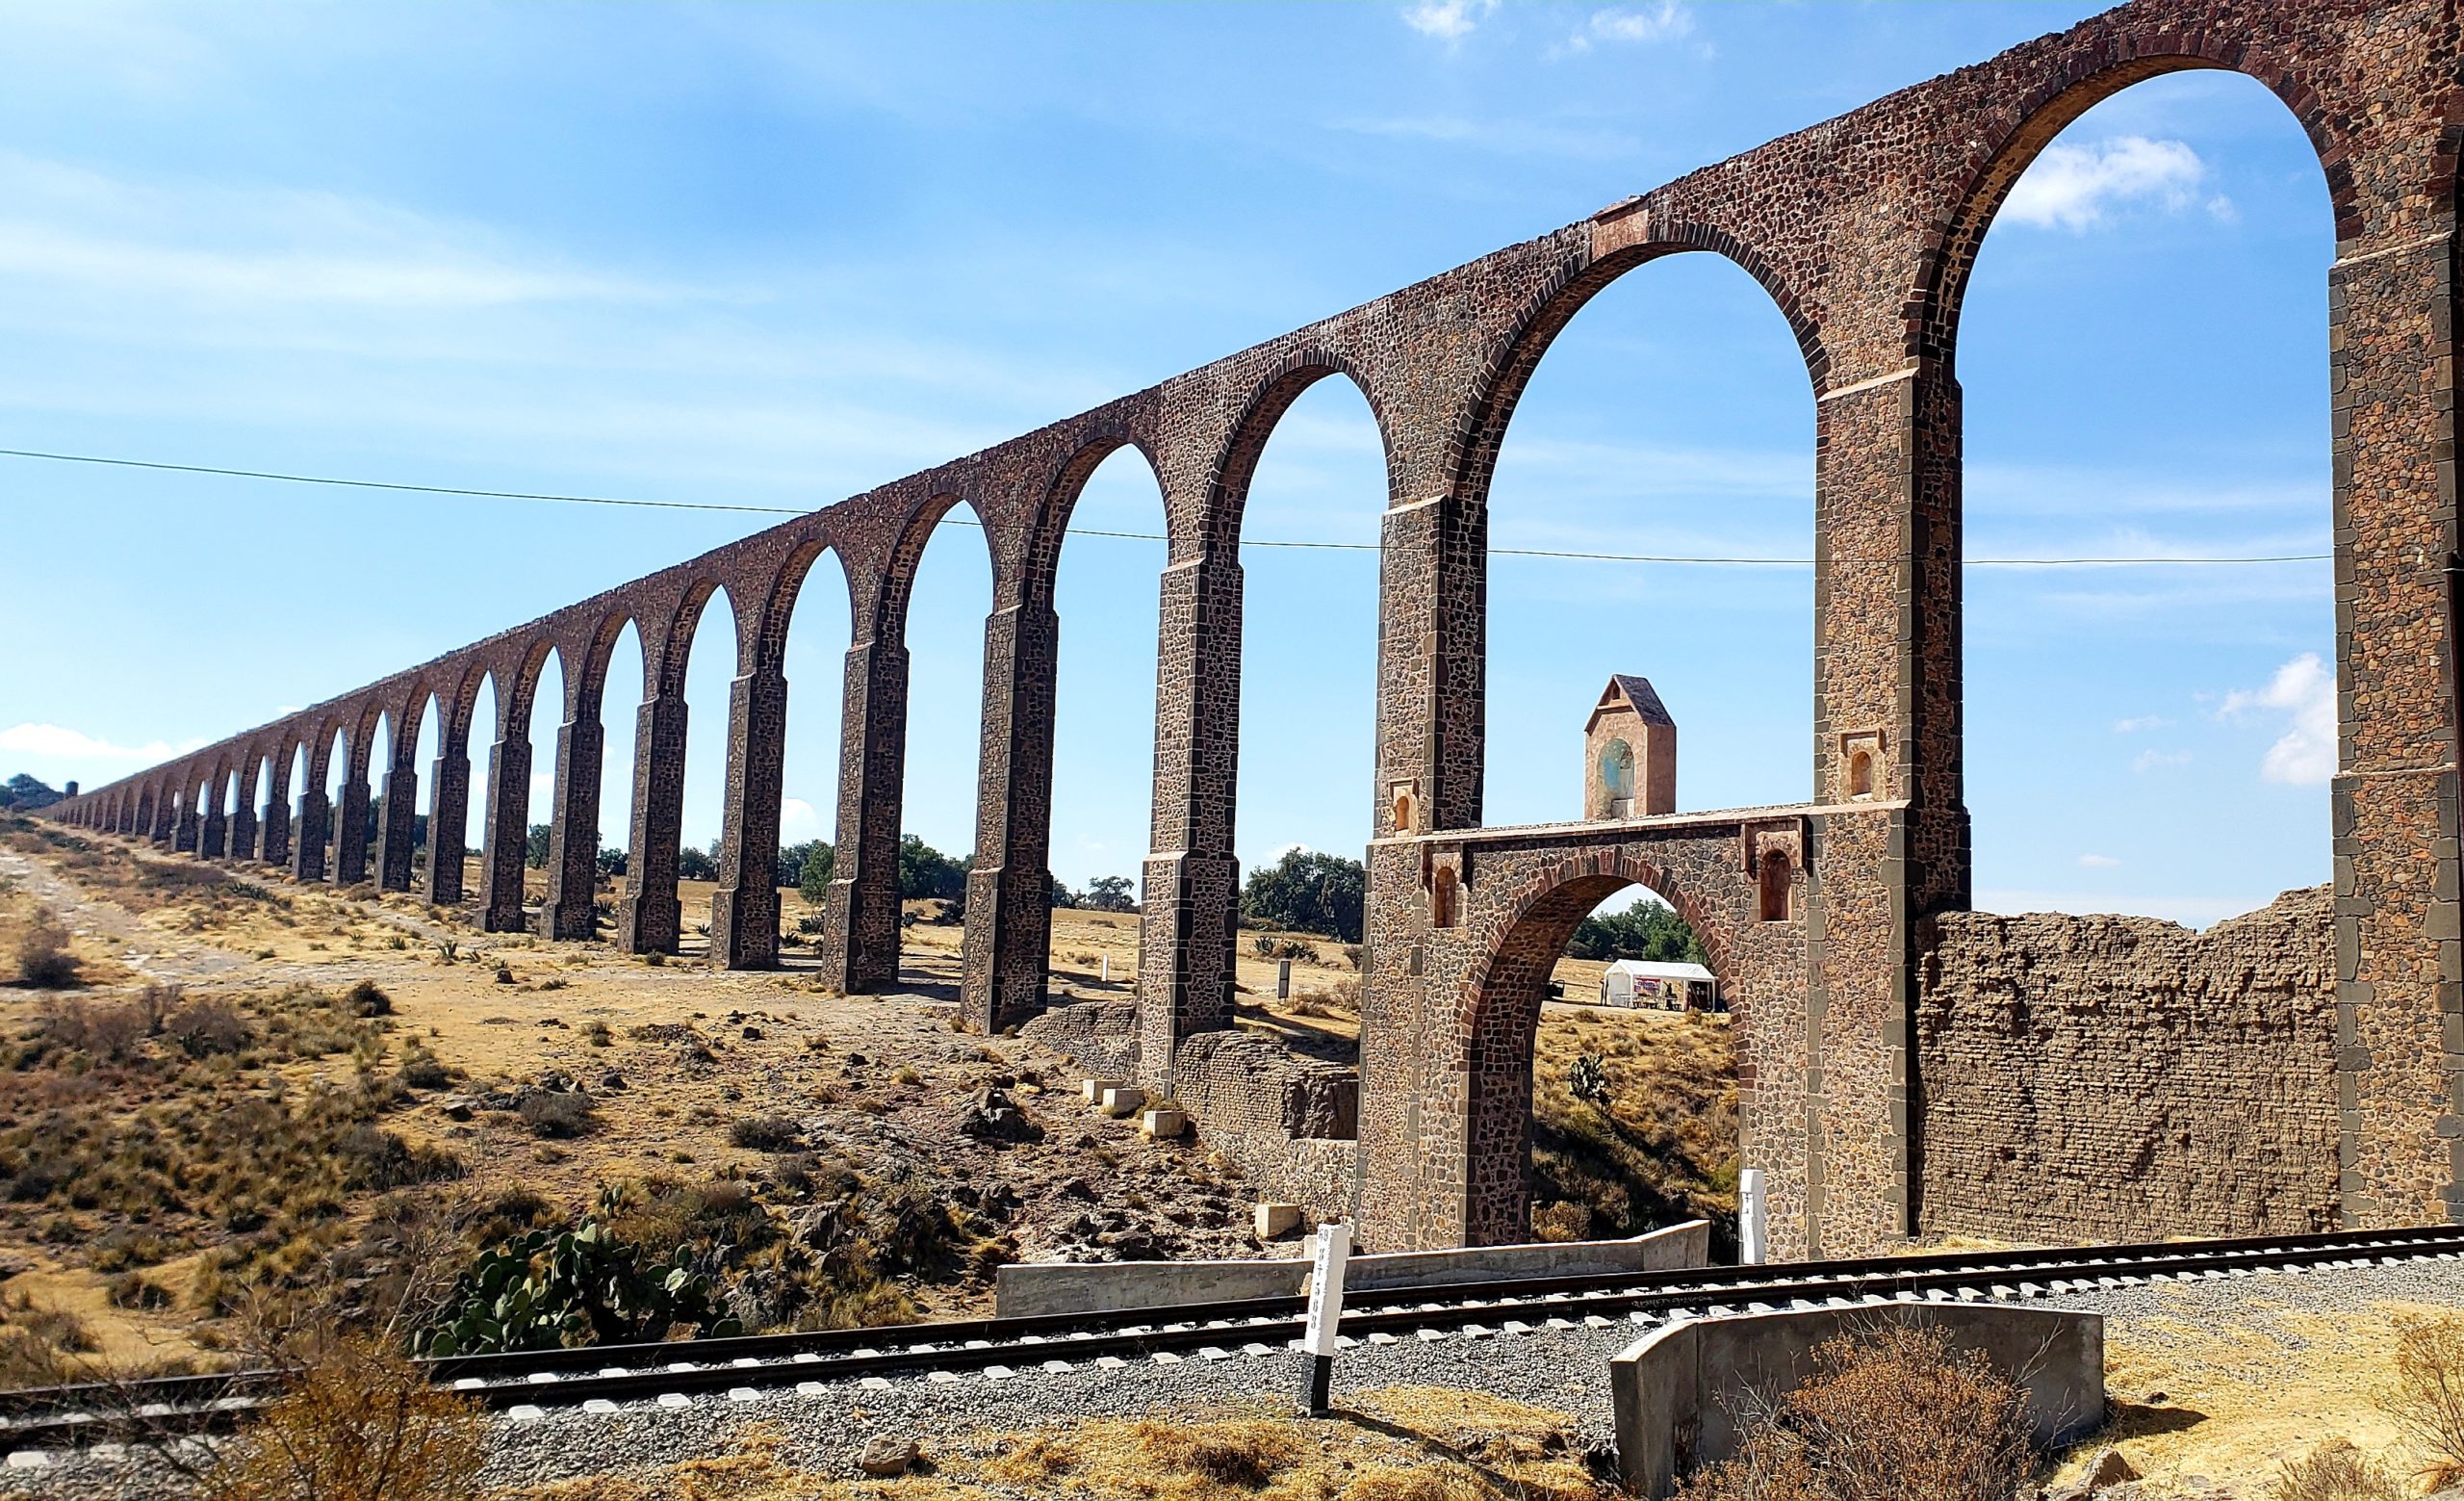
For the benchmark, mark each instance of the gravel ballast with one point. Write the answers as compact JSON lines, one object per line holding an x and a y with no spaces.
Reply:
{"x":827,"y":1425}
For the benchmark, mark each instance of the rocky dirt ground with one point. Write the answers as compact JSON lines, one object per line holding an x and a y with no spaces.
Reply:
{"x":671,"y":1059}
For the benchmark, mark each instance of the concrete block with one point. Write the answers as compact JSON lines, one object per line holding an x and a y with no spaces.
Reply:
{"x":1163,"y":1125}
{"x":1093,"y":1089}
{"x":1277,"y":1219}
{"x":1676,"y":1390}
{"x":1121,"y":1099}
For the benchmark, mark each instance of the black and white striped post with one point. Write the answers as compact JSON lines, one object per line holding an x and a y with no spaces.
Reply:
{"x":1325,"y":1312}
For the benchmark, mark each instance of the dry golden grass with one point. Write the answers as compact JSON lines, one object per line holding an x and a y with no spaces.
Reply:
{"x":1664,"y":1147}
{"x":1407,"y":1444}
{"x":2425,"y":1396}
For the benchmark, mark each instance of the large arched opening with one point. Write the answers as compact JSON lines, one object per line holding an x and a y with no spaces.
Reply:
{"x":1602,"y":1069}
{"x":543,"y":714}
{"x":1667,"y":412}
{"x":431,"y":709}
{"x":939,"y":598}
{"x":706,"y":648}
{"x":814,"y":657}
{"x":2141,"y":342}
{"x":1307,"y":490}
{"x":1103,"y":590}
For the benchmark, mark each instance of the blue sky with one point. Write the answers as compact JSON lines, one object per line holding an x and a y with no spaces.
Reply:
{"x":773,"y":255}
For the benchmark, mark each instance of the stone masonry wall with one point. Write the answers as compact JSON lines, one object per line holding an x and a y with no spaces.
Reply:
{"x":1287,"y":1121}
{"x":2122,"y":1078}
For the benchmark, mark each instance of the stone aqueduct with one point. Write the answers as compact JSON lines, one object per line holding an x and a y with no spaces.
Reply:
{"x":1862,"y":230}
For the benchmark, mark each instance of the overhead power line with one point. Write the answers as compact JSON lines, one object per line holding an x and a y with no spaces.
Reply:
{"x":1569,"y":554}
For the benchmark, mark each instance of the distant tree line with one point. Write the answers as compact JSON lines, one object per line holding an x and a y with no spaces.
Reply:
{"x":1648,"y":931}
{"x":924,"y":874}
{"x":22,"y":793}
{"x":1307,"y":892}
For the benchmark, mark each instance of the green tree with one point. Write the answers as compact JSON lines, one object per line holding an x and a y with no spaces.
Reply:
{"x":1108,"y":893}
{"x":1062,"y":895}
{"x":812,"y":876}
{"x":535,"y":850}
{"x":698,"y":865}
{"x":1647,"y":930}
{"x":1308,"y":891}
{"x":23,"y":793}
{"x":925,"y":872}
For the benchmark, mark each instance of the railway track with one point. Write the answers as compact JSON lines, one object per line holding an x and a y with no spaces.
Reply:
{"x":603,"y":1378}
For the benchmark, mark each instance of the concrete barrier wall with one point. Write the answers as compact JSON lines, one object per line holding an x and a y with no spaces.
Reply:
{"x":1680,"y":1390}
{"x":1026,"y":1290}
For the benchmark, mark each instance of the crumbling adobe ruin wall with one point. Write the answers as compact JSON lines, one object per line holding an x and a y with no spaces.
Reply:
{"x":2102,"y":1078}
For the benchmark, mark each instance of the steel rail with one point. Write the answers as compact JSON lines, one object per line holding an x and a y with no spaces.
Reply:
{"x":38,"y":1417}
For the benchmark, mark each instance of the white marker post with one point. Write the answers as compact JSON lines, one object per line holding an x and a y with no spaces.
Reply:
{"x":1283,"y":979}
{"x":1753,"y":1210}
{"x":1326,"y":1312}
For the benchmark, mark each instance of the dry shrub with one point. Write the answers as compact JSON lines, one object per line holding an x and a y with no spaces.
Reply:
{"x":99,"y":1029}
{"x":43,"y":959}
{"x":765,"y":1133}
{"x":558,"y":1114}
{"x":1889,"y":1414}
{"x":207,"y":1027}
{"x":356,"y":1423}
{"x":2425,"y":1401}
{"x":2335,"y":1471}
{"x":1561,"y":1221}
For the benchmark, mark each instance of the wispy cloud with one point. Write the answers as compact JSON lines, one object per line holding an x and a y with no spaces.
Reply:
{"x":2074,"y":186}
{"x":2099,"y":862}
{"x":1448,"y":20}
{"x":219,"y":243}
{"x":1631,"y":24}
{"x":2148,"y":760}
{"x":63,"y":743}
{"x":2133,"y":726}
{"x":2303,"y":691}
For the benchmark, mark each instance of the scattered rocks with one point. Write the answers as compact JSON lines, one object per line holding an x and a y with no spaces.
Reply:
{"x":889,"y":1454}
{"x":989,"y":1114}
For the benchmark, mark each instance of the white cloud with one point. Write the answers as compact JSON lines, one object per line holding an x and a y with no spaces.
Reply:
{"x":2148,"y":760}
{"x":1661,"y":22}
{"x":56,"y":740}
{"x":1448,"y":20}
{"x":2099,"y":862}
{"x":2142,"y":722}
{"x":797,"y":816}
{"x":2071,"y":186}
{"x":215,"y":245}
{"x":2305,"y":691}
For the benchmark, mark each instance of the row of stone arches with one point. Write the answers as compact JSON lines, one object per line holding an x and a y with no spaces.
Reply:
{"x":1863,"y":232}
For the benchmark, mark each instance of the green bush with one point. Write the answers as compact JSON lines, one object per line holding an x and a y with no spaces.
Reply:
{"x":552,"y":1288}
{"x":1309,"y":893}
